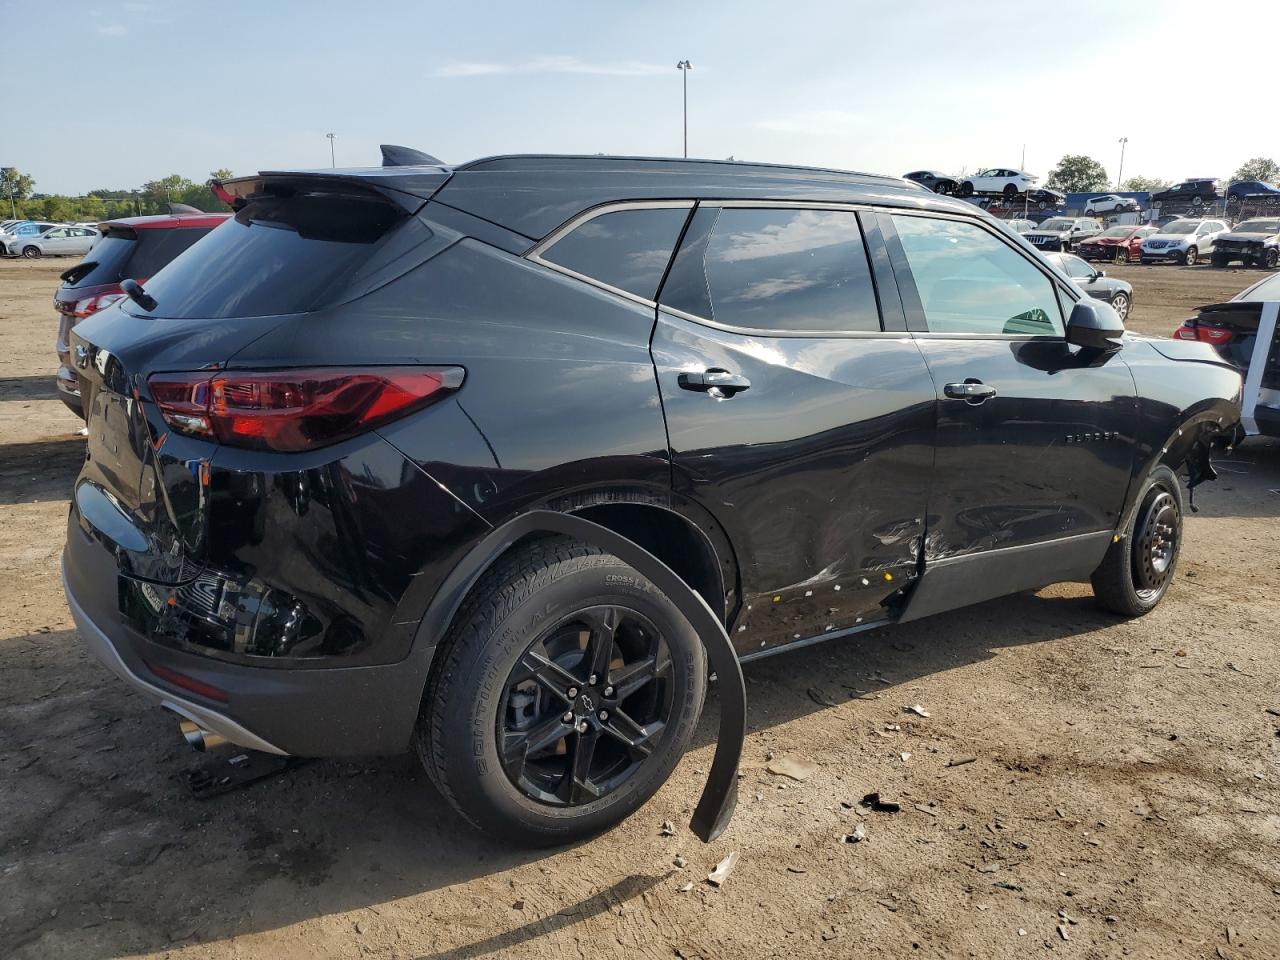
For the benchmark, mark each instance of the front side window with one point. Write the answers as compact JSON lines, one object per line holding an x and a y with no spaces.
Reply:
{"x":627,"y":249}
{"x":971,"y":282}
{"x":776,"y":269}
{"x":1076,"y":268}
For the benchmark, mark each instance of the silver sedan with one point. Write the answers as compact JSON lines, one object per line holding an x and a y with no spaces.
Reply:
{"x":56,"y":242}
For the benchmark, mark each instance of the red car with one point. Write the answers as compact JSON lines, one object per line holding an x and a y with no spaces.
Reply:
{"x":134,"y":248}
{"x":1121,"y":244}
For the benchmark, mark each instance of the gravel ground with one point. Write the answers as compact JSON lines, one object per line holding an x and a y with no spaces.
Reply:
{"x":1122,"y":798}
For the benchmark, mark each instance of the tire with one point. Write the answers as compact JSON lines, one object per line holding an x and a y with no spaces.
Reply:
{"x":1269,"y":259}
{"x":1190,"y":258}
{"x":1010,"y":192}
{"x":1219,"y":260}
{"x":941,"y":187}
{"x":1197,"y":201}
{"x":31,"y":253}
{"x":1132,"y":579}
{"x":1121,"y":304}
{"x":530,"y":605}
{"x":966,"y":189}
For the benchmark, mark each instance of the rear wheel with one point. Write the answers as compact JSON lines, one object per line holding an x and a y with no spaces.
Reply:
{"x":31,"y":253}
{"x":567,"y":690}
{"x":942,"y":186}
{"x":1010,"y":191}
{"x":1219,"y":260}
{"x":1139,"y":566}
{"x":966,"y":189}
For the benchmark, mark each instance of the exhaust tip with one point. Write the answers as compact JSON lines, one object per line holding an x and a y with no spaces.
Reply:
{"x":199,"y":738}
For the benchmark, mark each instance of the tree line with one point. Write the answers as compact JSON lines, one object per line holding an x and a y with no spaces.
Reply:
{"x":152,"y":197}
{"x":1077,"y":173}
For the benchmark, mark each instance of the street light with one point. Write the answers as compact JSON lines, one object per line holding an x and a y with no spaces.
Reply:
{"x":330,"y":136}
{"x":1120,"y":173}
{"x":684,"y":66}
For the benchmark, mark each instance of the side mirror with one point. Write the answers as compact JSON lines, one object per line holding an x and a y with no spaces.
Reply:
{"x":1099,"y":273}
{"x":1094,"y":325}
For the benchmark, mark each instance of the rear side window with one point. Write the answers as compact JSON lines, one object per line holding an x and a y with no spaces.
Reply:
{"x":969,"y":281}
{"x":277,"y":255}
{"x":784,"y":270}
{"x":626,"y":249}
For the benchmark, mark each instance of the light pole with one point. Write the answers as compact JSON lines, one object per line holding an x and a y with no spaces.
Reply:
{"x":329,"y":137}
{"x":1120,"y":173}
{"x":684,"y":66}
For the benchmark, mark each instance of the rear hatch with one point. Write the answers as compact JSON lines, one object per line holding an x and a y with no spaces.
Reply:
{"x":290,"y":249}
{"x":1232,"y":329}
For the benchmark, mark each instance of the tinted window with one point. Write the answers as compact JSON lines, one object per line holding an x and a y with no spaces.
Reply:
{"x":275,"y":256}
{"x":790,"y":270}
{"x":971,"y":282}
{"x":1076,"y":268}
{"x":627,"y":249}
{"x":119,"y":255}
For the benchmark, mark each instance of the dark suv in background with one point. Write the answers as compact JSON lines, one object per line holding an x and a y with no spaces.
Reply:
{"x":135,"y":248}
{"x":1197,"y":193}
{"x":502,"y":460}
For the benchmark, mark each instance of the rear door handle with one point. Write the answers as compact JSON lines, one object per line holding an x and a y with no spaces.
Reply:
{"x":971,"y":391}
{"x":718,"y":383}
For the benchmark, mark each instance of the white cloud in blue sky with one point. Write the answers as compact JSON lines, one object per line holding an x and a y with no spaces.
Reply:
{"x":842,"y":83}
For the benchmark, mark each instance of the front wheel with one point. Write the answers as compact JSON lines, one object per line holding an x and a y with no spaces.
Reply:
{"x":1191,"y":257}
{"x":566,"y":692}
{"x":1219,"y":260}
{"x":1120,"y":304}
{"x":1138,"y":567}
{"x":31,"y":253}
{"x":1270,"y":258}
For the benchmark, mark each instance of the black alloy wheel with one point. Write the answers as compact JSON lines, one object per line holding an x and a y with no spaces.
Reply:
{"x":586,"y":704}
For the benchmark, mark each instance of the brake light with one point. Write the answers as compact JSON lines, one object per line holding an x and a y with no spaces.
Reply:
{"x":1216,"y":336}
{"x":290,"y":410}
{"x":206,"y":690}
{"x":91,"y":305}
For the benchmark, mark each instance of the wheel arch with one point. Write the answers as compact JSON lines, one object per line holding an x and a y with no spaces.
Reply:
{"x":719,"y":797}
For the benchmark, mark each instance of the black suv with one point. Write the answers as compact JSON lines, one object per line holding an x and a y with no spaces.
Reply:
{"x":501,"y":460}
{"x":1197,"y":193}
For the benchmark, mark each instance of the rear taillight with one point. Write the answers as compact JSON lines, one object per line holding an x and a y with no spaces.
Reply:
{"x":1216,"y":336}
{"x":87,"y":306}
{"x":295,"y":409}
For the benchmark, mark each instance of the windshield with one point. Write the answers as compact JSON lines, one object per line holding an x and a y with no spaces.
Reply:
{"x":1258,"y":226}
{"x":1118,"y":232}
{"x":1049,"y":226}
{"x":1182,"y":226}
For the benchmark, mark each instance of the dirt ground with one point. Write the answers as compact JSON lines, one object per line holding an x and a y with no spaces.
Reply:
{"x":1123,"y":798}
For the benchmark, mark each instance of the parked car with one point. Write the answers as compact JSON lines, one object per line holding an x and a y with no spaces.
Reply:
{"x":1254,"y":243}
{"x":1045,"y":199}
{"x":1111,"y":203}
{"x":1243,"y":332}
{"x":1020,"y":226}
{"x":1121,"y":243}
{"x":1095,"y":282}
{"x":12,"y":238}
{"x":1184,"y":241}
{"x":56,"y":242}
{"x":134,"y":248}
{"x":1195,"y":192}
{"x":937,"y":182}
{"x":1062,"y":233}
{"x":495,"y":459}
{"x":1006,"y":182}
{"x":1253,"y":192}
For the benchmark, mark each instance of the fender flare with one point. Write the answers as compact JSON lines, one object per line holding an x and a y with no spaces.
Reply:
{"x":720,"y":794}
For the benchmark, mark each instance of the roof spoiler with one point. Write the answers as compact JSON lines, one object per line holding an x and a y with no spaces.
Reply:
{"x":397,"y":156}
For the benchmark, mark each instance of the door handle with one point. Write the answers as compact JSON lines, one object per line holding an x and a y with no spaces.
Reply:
{"x":715,"y":382}
{"x":971,"y":391}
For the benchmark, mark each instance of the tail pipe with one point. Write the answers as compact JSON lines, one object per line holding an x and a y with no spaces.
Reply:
{"x":200,"y":738}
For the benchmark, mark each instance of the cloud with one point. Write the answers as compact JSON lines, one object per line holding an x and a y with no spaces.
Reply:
{"x":553,"y":65}
{"x":813,"y":122}
{"x":113,"y":30}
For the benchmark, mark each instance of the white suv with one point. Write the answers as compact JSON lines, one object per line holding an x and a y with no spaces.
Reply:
{"x":1000,"y":180}
{"x":1183,"y":241}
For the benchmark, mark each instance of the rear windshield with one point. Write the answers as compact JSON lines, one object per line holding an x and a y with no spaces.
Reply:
{"x":276,"y":255}
{"x":135,"y":255}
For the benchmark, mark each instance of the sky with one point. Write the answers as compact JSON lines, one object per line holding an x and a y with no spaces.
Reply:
{"x":124,"y":91}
